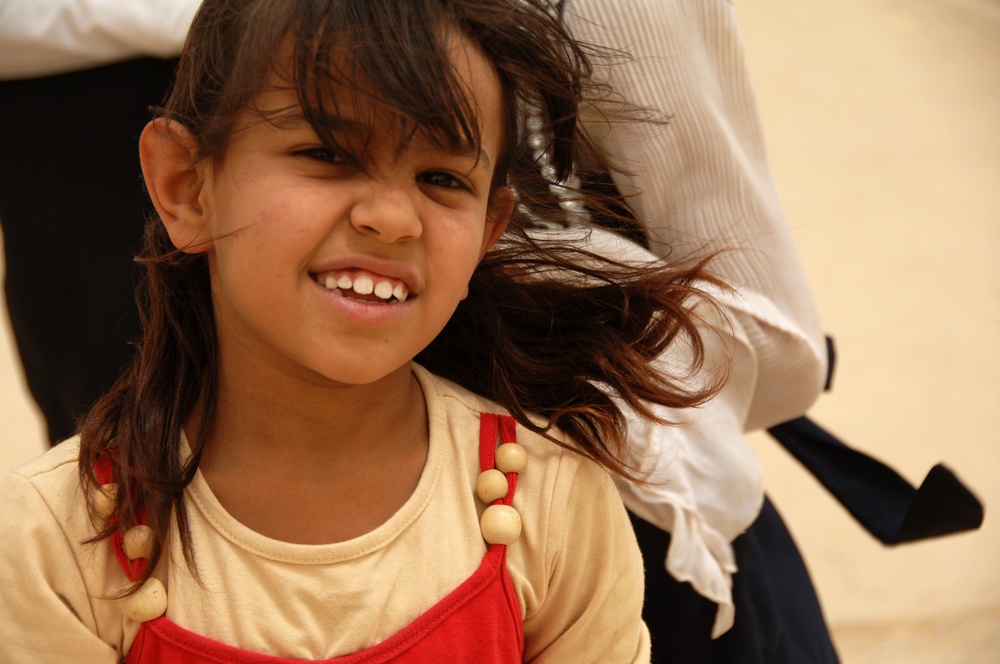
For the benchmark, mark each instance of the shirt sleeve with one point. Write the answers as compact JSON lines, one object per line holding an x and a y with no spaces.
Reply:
{"x":44,"y":37}
{"x":703,"y":484}
{"x":591,"y":608}
{"x":700,"y":183}
{"x":45,"y":614}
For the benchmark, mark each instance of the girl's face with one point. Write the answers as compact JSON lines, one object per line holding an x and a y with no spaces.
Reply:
{"x":339,"y":274}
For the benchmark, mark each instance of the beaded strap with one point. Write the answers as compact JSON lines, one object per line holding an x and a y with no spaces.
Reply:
{"x":499,"y":466}
{"x":132,"y":549}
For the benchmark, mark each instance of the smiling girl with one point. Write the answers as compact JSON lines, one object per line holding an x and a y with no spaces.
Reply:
{"x":276,"y":478}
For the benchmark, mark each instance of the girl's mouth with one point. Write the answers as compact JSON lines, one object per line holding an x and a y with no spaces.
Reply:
{"x":363,"y":286}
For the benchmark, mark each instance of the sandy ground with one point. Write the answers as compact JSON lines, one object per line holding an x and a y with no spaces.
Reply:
{"x":883,"y":124}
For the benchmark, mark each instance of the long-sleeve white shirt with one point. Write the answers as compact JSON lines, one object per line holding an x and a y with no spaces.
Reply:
{"x":701,"y":183}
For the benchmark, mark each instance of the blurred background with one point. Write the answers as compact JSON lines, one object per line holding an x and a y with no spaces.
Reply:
{"x":883,"y":126}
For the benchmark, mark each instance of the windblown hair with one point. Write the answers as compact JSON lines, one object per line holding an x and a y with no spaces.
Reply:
{"x":548,"y":328}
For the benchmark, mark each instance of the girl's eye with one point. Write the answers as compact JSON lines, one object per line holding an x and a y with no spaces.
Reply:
{"x":320,"y":154}
{"x":442,"y":179}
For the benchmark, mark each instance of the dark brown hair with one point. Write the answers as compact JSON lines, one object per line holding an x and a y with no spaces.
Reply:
{"x":547,"y":328}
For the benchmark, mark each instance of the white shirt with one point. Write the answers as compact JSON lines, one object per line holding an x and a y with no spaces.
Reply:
{"x":43,"y":37}
{"x":702,"y":184}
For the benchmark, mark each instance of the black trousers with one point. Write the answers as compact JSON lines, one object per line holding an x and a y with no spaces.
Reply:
{"x":72,"y":207}
{"x":778,"y":616}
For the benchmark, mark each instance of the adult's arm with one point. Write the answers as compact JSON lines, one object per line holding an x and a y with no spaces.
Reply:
{"x":701,"y":183}
{"x":44,"y":37}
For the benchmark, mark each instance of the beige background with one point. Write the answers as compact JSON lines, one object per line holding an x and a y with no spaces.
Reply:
{"x":883,"y":123}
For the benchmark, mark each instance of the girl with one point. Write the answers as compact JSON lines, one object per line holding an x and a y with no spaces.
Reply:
{"x":275,"y":478}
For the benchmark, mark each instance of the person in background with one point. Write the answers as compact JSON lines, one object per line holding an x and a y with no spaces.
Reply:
{"x":76,"y":82}
{"x":725,"y":582}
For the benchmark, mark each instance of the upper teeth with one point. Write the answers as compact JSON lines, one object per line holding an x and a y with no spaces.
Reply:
{"x":365,"y":285}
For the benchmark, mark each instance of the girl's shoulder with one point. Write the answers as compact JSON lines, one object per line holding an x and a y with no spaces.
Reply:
{"x":53,"y":581}
{"x":458,"y":410}
{"x":555,"y":475}
{"x":53,"y":477}
{"x":576,"y":543}
{"x":42,"y":505}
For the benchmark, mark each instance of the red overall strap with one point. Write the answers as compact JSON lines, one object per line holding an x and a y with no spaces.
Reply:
{"x":104,"y":471}
{"x":480,"y":621}
{"x":490,"y":427}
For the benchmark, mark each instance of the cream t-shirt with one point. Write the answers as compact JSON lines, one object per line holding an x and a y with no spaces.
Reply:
{"x":576,"y":568}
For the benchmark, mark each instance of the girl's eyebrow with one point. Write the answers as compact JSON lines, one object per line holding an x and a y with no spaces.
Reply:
{"x":295,"y":119}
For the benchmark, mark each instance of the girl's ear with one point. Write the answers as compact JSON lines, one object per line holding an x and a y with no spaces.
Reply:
{"x":497,"y":217}
{"x":167,"y":151}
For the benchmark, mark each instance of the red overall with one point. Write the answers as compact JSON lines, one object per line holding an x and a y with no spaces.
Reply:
{"x":480,"y":621}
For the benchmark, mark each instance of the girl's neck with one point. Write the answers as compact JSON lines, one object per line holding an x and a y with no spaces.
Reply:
{"x":280,"y":457}
{"x":292,"y":420}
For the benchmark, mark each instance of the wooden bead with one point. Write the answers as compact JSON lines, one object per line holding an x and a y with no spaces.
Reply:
{"x":138,"y":542}
{"x":491,"y":485}
{"x":511,"y":458}
{"x":501,"y":524}
{"x":148,"y":602}
{"x":104,"y":500}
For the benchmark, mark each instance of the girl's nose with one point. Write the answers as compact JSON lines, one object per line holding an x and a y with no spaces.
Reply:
{"x":387,"y":213}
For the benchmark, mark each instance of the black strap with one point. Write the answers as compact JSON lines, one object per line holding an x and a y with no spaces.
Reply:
{"x":878,"y":497}
{"x":884,"y":503}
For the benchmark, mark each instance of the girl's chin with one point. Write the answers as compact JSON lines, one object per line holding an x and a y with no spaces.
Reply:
{"x":365,"y":374}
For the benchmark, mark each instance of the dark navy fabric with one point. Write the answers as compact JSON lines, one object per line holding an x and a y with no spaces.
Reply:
{"x":778,"y":616}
